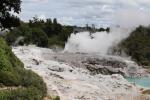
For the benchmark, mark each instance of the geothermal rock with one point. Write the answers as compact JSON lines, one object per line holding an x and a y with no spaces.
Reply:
{"x":67,"y":76}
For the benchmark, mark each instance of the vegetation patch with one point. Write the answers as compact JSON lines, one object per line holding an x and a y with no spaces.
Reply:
{"x":137,"y":45}
{"x":26,"y":85}
{"x":40,"y":33}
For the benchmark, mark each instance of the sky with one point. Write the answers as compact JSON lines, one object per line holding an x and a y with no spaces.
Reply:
{"x":81,"y":12}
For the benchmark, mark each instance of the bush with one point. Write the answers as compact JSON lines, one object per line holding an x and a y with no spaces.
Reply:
{"x":40,"y":33}
{"x":27,"y":35}
{"x":55,"y":41}
{"x":39,"y":37}
{"x":57,"y":98}
{"x":13,"y":74}
{"x":30,"y":93}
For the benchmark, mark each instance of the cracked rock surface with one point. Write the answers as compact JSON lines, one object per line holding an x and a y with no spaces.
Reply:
{"x":70,"y":77}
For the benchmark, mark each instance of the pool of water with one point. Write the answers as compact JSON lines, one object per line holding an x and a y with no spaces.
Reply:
{"x":144,"y":81}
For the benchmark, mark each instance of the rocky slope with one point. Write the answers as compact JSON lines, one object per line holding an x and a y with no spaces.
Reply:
{"x":99,"y":64}
{"x":72,"y":76}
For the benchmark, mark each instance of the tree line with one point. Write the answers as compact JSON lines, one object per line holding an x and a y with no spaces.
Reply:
{"x":44,"y":33}
{"x":137,"y":45}
{"x":39,"y":32}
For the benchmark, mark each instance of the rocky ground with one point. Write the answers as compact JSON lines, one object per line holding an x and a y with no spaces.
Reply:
{"x":81,"y":76}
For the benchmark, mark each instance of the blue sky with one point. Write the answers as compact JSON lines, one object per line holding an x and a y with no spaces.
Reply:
{"x":80,"y":12}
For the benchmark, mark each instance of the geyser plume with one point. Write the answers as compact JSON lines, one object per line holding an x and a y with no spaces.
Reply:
{"x":99,"y":42}
{"x":131,"y":19}
{"x":102,"y":42}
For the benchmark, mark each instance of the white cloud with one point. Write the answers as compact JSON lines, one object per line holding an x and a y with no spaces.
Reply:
{"x":132,"y":18}
{"x":81,"y":11}
{"x":35,"y":1}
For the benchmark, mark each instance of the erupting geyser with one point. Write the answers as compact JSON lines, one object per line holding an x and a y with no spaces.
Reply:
{"x":99,"y":42}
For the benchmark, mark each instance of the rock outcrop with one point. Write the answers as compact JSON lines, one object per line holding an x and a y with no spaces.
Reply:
{"x":98,"y":64}
{"x":68,"y":76}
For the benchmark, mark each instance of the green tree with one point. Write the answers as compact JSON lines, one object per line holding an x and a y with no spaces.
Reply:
{"x":36,"y":22}
{"x":7,"y":19}
{"x":39,"y":37}
{"x":137,"y":45}
{"x":57,"y":28}
{"x":55,"y":21}
{"x":48,"y":27}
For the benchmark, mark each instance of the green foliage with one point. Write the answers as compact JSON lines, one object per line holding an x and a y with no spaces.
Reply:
{"x":36,"y":23}
{"x":9,"y":78}
{"x":137,"y":45}
{"x":39,"y":32}
{"x":30,"y":93}
{"x":48,"y":27}
{"x":13,"y":74}
{"x":38,"y":37}
{"x":55,"y":41}
{"x":57,"y":98}
{"x":7,"y":19}
{"x":30,"y":36}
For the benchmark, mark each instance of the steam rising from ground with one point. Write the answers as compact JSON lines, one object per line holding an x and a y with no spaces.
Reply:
{"x":99,"y":42}
{"x":130,"y":18}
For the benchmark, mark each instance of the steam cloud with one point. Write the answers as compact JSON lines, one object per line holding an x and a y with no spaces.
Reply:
{"x":132,"y":18}
{"x":101,"y":42}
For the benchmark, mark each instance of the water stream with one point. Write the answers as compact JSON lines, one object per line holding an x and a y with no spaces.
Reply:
{"x":143,"y":81}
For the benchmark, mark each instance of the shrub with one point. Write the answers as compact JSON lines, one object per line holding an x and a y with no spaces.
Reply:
{"x":13,"y":74}
{"x":57,"y":98}
{"x":30,"y":93}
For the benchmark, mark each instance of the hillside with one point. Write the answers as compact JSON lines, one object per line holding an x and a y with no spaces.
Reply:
{"x":137,"y":45}
{"x":16,"y":83}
